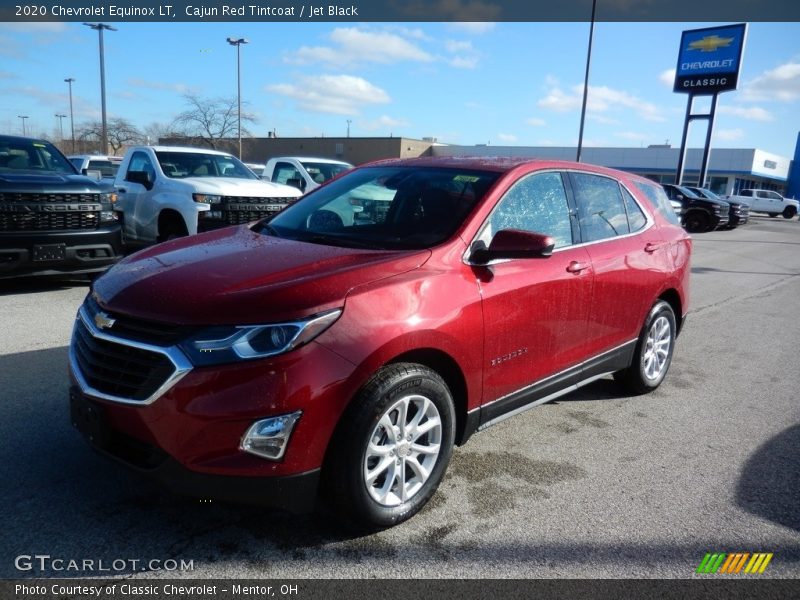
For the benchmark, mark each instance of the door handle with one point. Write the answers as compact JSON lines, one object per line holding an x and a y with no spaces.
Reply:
{"x":576,"y":267}
{"x":653,"y":246}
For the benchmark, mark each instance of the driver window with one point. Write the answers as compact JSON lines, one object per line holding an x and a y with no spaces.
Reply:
{"x":141,"y":162}
{"x":536,"y":203}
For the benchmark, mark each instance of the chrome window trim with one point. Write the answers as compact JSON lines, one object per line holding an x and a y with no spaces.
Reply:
{"x":174,"y":355}
{"x":650,"y":221}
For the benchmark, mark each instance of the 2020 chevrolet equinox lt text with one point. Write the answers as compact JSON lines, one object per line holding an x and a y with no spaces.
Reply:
{"x":318,"y":355}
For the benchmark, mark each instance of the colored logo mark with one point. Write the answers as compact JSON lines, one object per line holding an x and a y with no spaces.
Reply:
{"x":734,"y":563}
{"x":710,"y":43}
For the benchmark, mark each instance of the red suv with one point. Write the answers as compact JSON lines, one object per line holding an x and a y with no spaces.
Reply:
{"x":348,"y":343}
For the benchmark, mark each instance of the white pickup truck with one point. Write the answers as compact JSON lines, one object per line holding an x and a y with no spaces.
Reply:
{"x":769,"y":202}
{"x":165,"y":192}
{"x":303,"y":172}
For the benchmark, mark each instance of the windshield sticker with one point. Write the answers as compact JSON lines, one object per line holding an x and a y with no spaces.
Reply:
{"x":466,"y":178}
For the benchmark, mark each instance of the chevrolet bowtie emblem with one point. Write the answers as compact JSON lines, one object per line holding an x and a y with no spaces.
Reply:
{"x":103,"y":321}
{"x":710,"y":43}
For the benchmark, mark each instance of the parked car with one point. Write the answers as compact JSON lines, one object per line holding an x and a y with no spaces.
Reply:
{"x":738,"y":213}
{"x":96,"y":165}
{"x":767,"y":201}
{"x":167,"y":191}
{"x":272,"y":361}
{"x":699,"y":214}
{"x":304,"y":173}
{"x":53,"y":220}
{"x":256,"y":168}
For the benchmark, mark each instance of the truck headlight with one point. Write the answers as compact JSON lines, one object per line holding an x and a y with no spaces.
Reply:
{"x":207,"y":198}
{"x":226,"y":344}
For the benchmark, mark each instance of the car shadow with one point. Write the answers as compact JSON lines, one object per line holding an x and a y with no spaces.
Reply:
{"x":67,"y":501}
{"x":35,"y":285}
{"x":769,"y":483}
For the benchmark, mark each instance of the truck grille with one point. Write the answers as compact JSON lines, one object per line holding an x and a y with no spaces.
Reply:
{"x":118,"y":370}
{"x":237,"y":210}
{"x":48,"y":221}
{"x":47,"y":197}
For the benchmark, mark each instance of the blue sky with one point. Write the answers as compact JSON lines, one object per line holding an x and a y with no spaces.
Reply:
{"x":496,"y":83}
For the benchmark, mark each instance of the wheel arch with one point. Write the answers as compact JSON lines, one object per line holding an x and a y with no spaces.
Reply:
{"x":170,"y":216}
{"x":672,"y":298}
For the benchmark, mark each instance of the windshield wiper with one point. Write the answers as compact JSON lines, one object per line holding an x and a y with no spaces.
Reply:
{"x":339,"y":241}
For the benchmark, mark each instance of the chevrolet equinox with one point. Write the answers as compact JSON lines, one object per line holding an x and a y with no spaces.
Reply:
{"x":340,"y":349}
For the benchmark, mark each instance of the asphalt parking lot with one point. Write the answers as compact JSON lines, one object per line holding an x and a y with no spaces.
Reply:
{"x":596,"y":484}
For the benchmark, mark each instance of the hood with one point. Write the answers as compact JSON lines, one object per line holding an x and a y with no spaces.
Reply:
{"x":50,"y":183}
{"x":231,"y":186}
{"x":234,"y":276}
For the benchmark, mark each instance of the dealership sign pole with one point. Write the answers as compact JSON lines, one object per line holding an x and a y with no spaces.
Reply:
{"x":708,"y":63}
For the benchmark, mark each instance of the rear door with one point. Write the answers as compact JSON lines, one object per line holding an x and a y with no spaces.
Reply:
{"x":628,"y":256}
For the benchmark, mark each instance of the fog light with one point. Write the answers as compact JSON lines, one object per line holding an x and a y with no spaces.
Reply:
{"x":268,"y":438}
{"x":210,"y":214}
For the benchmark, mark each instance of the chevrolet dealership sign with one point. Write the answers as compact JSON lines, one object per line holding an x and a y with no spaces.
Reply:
{"x":709,"y":59}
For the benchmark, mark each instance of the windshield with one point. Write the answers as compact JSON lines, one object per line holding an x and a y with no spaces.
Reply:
{"x":384,"y":208}
{"x":196,"y":164}
{"x":321,"y":172}
{"x":32,"y":156}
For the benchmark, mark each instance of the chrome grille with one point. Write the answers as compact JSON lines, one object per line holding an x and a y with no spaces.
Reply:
{"x":48,"y":221}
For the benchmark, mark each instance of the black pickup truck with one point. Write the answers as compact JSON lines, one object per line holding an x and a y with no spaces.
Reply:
{"x":53,"y":220}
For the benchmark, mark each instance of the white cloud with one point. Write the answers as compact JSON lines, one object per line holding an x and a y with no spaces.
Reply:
{"x":753,"y":113}
{"x":509,"y":138}
{"x":601,"y":99}
{"x":728,"y":135}
{"x":667,"y":78}
{"x":333,"y":94}
{"x":384,"y":122}
{"x":353,"y":45}
{"x":43,"y":27}
{"x":463,"y":62}
{"x":603,"y":120}
{"x":781,"y":83}
{"x":454,"y":46}
{"x":475,"y":27}
{"x":533,"y":121}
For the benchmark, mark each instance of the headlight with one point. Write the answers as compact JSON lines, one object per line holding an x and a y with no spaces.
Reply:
{"x":217,"y":345}
{"x":207,"y":198}
{"x":110,"y":197}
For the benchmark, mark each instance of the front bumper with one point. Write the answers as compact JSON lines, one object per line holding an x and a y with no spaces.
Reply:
{"x":295,"y":493}
{"x":59,"y":252}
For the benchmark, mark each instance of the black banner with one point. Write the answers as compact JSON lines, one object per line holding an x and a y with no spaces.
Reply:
{"x":396,"y":10}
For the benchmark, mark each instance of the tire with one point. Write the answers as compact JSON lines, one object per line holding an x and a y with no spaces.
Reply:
{"x":171,"y":231}
{"x":653,"y":354}
{"x":381,"y":470}
{"x":789,"y":212}
{"x":773,"y":215}
{"x":697,"y":222}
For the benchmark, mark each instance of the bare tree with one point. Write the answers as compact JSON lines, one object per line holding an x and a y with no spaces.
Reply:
{"x":211,"y":119}
{"x":120,"y":133}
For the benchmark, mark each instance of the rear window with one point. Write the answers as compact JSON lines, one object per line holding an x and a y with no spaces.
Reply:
{"x":658,"y":198}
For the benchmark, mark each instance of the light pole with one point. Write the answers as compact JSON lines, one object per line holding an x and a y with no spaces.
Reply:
{"x":104,"y":131}
{"x":61,"y":125}
{"x":586,"y":83}
{"x":348,"y":127}
{"x":23,"y":117}
{"x":238,"y":43}
{"x":69,"y":81}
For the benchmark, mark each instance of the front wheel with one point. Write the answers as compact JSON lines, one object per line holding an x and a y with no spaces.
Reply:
{"x":789,"y":212}
{"x":697,"y":222}
{"x":653,"y":353}
{"x":392,"y":447}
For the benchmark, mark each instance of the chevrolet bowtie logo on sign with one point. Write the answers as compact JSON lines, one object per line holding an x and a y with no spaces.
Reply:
{"x":709,"y":59}
{"x":734,"y":563}
{"x":710,"y":43}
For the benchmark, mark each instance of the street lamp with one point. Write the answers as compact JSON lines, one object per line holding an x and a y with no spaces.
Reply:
{"x":238,"y":43}
{"x":61,"y":125}
{"x":69,"y":81}
{"x":348,"y":127}
{"x":23,"y":117}
{"x":104,"y":131}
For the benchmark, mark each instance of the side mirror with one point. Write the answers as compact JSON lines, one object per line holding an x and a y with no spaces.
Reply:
{"x":513,"y":243}
{"x":141,"y":177}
